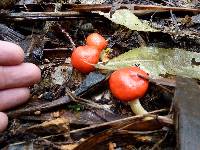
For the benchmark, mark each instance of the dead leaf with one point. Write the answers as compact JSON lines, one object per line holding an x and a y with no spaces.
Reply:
{"x":158,"y":61}
{"x":126,"y":18}
{"x":59,"y":125}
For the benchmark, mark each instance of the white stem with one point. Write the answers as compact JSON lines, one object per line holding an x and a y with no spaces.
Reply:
{"x":137,"y":107}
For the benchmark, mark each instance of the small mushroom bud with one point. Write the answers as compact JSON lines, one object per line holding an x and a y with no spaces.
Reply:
{"x":96,"y":40}
{"x":127,"y":86}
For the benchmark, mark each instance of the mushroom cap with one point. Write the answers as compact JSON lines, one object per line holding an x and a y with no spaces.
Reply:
{"x":126,"y":85}
{"x":83,"y":58}
{"x":96,"y":40}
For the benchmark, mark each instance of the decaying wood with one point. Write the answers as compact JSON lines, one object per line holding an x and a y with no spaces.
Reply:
{"x":187,"y":102}
{"x":74,"y":11}
{"x":108,"y":7}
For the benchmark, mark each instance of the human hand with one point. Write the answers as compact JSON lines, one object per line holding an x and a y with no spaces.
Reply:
{"x":15,"y":78}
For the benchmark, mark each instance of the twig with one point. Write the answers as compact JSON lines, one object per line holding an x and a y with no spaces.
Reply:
{"x":57,"y":49}
{"x":156,"y":146}
{"x":161,"y":119}
{"x":67,"y":35}
{"x":59,"y":102}
{"x":100,"y":7}
{"x":174,"y":20}
{"x":140,"y":132}
{"x":168,"y":2}
{"x":44,"y":107}
{"x":86,"y":102}
{"x":41,"y":14}
{"x":124,"y":120}
{"x":107,"y":7}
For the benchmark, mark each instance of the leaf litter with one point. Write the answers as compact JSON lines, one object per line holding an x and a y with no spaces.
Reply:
{"x":86,"y":122}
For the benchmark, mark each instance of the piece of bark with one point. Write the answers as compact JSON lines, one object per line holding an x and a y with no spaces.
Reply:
{"x":93,"y":79}
{"x":187,"y":114}
{"x":56,"y":126}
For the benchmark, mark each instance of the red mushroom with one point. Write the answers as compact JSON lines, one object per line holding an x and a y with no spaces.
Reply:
{"x":127,"y":86}
{"x":83,"y":58}
{"x":96,"y":40}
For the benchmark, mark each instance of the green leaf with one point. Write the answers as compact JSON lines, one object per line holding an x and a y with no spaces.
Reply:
{"x":158,"y":61}
{"x":127,"y":18}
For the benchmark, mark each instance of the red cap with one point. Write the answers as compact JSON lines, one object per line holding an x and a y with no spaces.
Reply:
{"x":84,"y":57}
{"x":126,"y":85}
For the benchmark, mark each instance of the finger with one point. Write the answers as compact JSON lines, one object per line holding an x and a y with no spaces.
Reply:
{"x":13,"y":97}
{"x":3,"y":121}
{"x":10,"y":54}
{"x":22,"y":75}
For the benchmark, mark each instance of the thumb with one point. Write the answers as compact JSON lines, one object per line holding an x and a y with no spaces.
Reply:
{"x":3,"y":121}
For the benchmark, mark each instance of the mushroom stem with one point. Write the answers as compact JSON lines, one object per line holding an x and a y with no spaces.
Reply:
{"x":137,"y":107}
